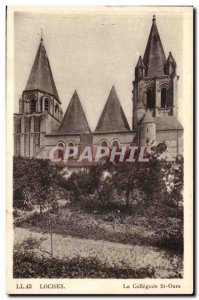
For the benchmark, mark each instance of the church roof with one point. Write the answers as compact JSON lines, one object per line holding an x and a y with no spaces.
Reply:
{"x":162,"y":122}
{"x":167,"y":123}
{"x":74,"y":120}
{"x":140,"y":63}
{"x":171,"y":59}
{"x":41,"y":77}
{"x":112,"y":118}
{"x":154,"y":56}
{"x":148,"y":118}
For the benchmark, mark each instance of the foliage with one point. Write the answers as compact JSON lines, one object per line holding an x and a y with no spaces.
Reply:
{"x":168,"y":234}
{"x":28,"y":244}
{"x":32,"y":179}
{"x":29,"y":265}
{"x":139,"y":186}
{"x":83,"y":183}
{"x":125,"y":177}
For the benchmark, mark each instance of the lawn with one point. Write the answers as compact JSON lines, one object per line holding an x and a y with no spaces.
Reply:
{"x":115,"y":227}
{"x":115,"y":240}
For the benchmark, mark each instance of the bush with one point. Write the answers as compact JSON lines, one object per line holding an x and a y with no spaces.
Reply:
{"x":32,"y":179}
{"x":28,"y":244}
{"x":170,"y":236}
{"x":29,"y":265}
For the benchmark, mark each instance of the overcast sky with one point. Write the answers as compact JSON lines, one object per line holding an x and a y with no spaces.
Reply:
{"x":92,"y":52}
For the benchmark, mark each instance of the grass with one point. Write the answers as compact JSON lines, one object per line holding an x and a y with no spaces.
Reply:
{"x":72,"y":221}
{"x":28,"y":265}
{"x":118,"y":241}
{"x":132,"y":259}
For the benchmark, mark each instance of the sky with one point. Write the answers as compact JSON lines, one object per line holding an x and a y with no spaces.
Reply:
{"x":90,"y":52}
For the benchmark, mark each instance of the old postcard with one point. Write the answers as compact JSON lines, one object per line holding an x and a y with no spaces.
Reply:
{"x":100,"y":150}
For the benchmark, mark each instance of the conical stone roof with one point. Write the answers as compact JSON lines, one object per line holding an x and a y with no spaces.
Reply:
{"x":74,"y":121}
{"x":41,"y":77}
{"x":112,"y":118}
{"x":140,"y":63}
{"x":171,"y":59}
{"x":154,"y":56}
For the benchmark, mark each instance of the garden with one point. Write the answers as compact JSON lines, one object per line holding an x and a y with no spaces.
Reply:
{"x":133,"y":212}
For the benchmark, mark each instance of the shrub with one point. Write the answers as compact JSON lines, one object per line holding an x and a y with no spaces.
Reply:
{"x":29,"y":265}
{"x":28,"y":244}
{"x":32,"y":179}
{"x":170,"y":236}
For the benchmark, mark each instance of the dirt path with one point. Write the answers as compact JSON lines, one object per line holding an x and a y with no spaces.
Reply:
{"x":112,"y":253}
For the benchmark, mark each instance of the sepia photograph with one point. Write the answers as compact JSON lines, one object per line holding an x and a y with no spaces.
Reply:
{"x":100,"y":106}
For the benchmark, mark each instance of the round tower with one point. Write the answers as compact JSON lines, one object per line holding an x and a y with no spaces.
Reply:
{"x":147,"y":129}
{"x":140,"y":111}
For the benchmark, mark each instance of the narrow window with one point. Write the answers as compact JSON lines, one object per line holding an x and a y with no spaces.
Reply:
{"x":60,"y":151}
{"x":46,"y":104}
{"x":56,"y":109}
{"x":41,"y":102}
{"x":116,"y":144}
{"x":32,"y":105}
{"x":71,"y":144}
{"x":150,"y":100}
{"x":163,"y":98}
{"x":104,"y":144}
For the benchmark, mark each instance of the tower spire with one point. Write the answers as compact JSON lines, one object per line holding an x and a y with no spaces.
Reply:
{"x":41,"y":77}
{"x":42,"y":35}
{"x":154,"y":57}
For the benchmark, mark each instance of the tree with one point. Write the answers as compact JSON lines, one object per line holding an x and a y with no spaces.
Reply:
{"x":32,"y":179}
{"x":125,"y":176}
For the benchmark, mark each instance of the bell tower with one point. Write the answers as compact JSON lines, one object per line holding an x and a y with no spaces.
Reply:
{"x":155,"y":84}
{"x":40,"y":110}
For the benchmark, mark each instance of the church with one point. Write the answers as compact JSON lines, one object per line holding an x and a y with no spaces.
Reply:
{"x":41,"y":124}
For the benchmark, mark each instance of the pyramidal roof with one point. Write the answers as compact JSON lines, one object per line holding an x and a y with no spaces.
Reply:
{"x":112,"y":118}
{"x":148,"y":118}
{"x":41,"y":77}
{"x":154,"y":56}
{"x":140,"y":63}
{"x":74,"y":121}
{"x":171,"y":59}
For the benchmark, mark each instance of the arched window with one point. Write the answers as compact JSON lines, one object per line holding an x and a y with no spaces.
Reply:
{"x":71,"y":144}
{"x":60,"y":151}
{"x":104,"y":144}
{"x":116,"y":144}
{"x":46,"y":104}
{"x":32,"y":105}
{"x":150,"y":103}
{"x":163,"y":98}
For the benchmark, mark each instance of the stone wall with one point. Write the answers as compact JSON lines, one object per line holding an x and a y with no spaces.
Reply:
{"x":124,"y":138}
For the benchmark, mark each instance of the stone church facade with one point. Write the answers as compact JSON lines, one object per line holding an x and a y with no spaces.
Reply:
{"x":41,"y":125}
